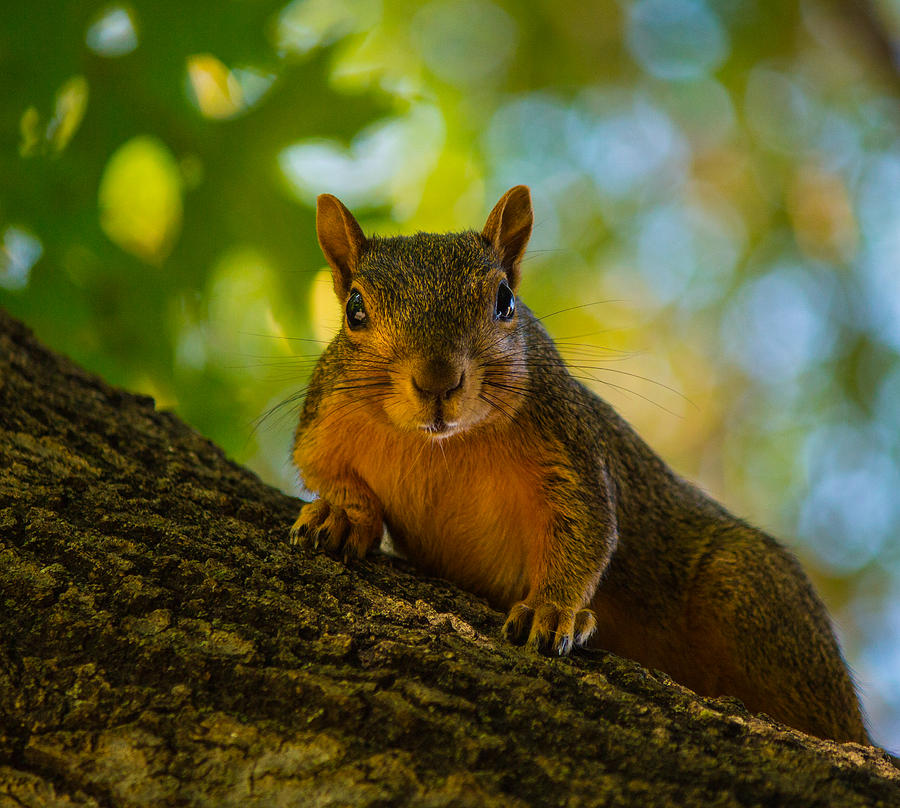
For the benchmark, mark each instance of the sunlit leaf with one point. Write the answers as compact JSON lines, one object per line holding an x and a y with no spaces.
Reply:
{"x":306,"y":24}
{"x":325,"y":312}
{"x":71,"y":103}
{"x":140,"y":199}
{"x":241,"y":292}
{"x":216,"y":91}
{"x":384,"y":58}
{"x":163,"y":397}
{"x":29,"y":128}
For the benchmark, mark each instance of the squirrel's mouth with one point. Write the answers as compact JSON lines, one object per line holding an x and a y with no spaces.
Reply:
{"x":439,"y":428}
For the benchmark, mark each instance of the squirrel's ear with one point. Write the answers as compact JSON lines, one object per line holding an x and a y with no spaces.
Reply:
{"x":341,"y":239}
{"x":508,"y":228}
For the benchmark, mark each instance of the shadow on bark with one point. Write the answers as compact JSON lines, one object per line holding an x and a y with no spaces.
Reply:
{"x":161,"y":644}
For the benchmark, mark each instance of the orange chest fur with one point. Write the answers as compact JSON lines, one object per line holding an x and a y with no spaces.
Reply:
{"x":466,"y":509}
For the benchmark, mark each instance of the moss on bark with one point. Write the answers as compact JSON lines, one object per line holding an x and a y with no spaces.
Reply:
{"x":160,"y":643}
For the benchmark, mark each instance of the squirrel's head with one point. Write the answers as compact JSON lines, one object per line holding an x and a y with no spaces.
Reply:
{"x":431,"y":330}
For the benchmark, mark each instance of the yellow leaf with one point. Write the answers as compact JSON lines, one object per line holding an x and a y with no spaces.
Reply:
{"x":140,"y":199}
{"x":71,"y":103}
{"x":31,"y":136}
{"x":216,"y":90}
{"x":325,"y":311}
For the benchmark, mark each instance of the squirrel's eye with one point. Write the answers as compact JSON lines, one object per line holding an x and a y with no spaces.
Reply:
{"x":356,"y":310}
{"x":506,"y":302}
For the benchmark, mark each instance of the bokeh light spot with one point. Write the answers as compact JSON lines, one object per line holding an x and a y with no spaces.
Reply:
{"x":215,"y":90}
{"x":779,"y":110}
{"x":140,"y":199}
{"x":687,"y":253}
{"x":306,"y":24}
{"x":626,"y":143}
{"x":113,"y":32}
{"x":852,"y":506}
{"x":325,"y":311}
{"x":464,"y":41}
{"x":778,"y":327}
{"x":30,"y":132}
{"x":519,"y":151}
{"x":254,"y":84}
{"x":387,"y":160}
{"x":702,"y":109}
{"x":71,"y":104}
{"x":879,"y":216}
{"x":191,"y":348}
{"x":821,"y":214}
{"x":19,"y":252}
{"x":242,"y":289}
{"x":879,"y":200}
{"x":676,"y":39}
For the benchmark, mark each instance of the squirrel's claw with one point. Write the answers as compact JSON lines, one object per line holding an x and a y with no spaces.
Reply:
{"x":549,"y":628}
{"x":326,"y":527}
{"x":518,"y":623}
{"x":297,"y":534}
{"x":585,"y":626}
{"x":307,"y":525}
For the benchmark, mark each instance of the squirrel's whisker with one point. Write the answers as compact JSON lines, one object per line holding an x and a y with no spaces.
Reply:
{"x":262,"y":419}
{"x":576,"y":308}
{"x":346,"y":409}
{"x":414,"y":462}
{"x":283,"y":337}
{"x":495,"y":403}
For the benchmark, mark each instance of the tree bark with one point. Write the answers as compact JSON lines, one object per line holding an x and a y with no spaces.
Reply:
{"x":161,"y":644}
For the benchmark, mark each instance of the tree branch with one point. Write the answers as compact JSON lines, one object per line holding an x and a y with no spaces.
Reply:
{"x":160,"y":643}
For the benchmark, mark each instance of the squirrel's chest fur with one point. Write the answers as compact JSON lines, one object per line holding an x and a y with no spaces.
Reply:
{"x":461,"y":509}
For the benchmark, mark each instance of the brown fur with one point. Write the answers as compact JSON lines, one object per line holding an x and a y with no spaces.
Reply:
{"x":494,"y":468}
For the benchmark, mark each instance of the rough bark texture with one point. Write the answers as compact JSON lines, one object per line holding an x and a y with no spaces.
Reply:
{"x":161,"y":644}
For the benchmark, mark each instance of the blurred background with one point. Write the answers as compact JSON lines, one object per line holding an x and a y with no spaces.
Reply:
{"x":716,"y":186}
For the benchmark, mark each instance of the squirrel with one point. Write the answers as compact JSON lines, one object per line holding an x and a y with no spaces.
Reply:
{"x":443,"y":409}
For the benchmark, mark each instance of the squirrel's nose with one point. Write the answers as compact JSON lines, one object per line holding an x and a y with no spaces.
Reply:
{"x":437,"y":379}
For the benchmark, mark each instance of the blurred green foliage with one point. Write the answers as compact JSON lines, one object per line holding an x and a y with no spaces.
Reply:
{"x":138,"y":207}
{"x":717,"y":189}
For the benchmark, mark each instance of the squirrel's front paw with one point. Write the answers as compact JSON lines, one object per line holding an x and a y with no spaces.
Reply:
{"x":548,"y":627}
{"x":326,"y":526}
